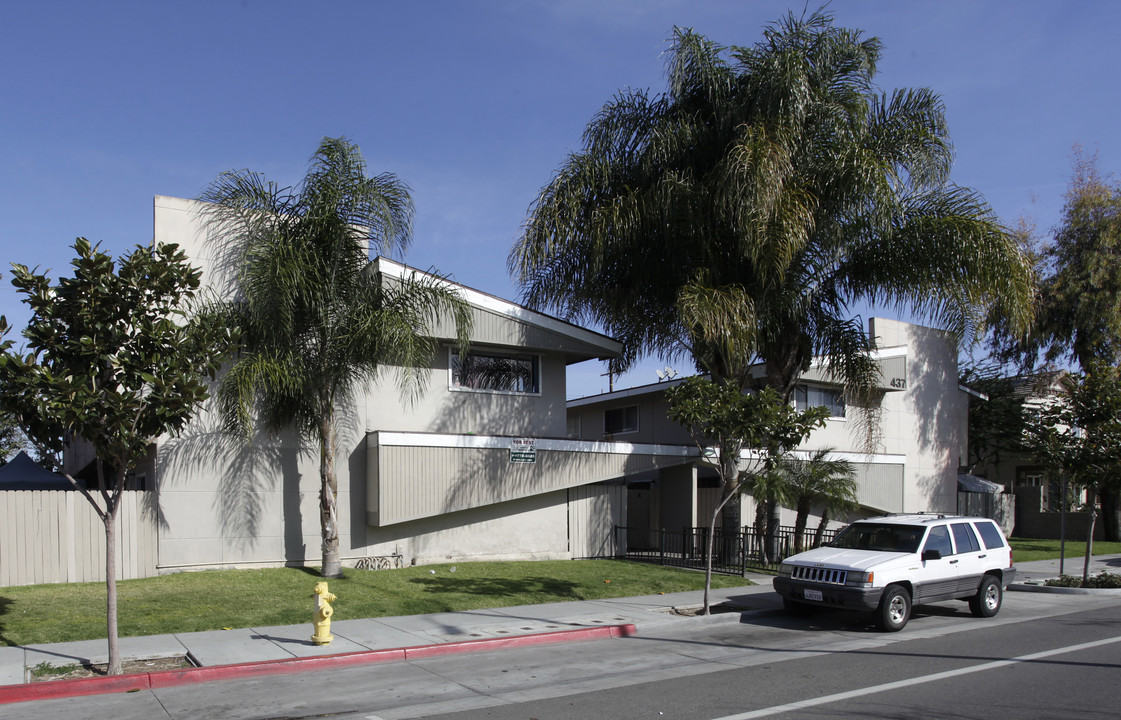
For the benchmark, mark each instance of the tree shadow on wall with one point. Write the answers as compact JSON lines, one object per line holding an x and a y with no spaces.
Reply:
{"x":245,"y":470}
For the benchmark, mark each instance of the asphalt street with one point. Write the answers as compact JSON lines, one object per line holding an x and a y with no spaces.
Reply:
{"x":1044,"y":655}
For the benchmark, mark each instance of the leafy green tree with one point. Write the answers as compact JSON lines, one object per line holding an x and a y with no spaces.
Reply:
{"x":819,"y":480}
{"x":1079,"y":313}
{"x":996,"y":423}
{"x":1079,"y":434}
{"x":112,"y":359}
{"x":723,"y":421}
{"x":316,"y":318}
{"x":11,"y":438}
{"x":741,"y":214}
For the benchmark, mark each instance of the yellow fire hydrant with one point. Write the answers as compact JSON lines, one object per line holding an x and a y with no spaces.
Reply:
{"x":321,"y":618}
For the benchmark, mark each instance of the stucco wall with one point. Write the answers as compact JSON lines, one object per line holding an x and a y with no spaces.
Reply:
{"x":925,"y":422}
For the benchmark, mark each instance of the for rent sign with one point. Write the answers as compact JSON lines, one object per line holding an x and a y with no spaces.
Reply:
{"x":523,"y":450}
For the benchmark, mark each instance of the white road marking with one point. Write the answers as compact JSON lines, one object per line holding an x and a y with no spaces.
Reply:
{"x":790,"y":707}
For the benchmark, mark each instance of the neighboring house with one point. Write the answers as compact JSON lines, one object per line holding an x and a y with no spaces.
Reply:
{"x":909,"y":464}
{"x":1007,"y":465}
{"x":470,"y":470}
{"x":1038,"y":493}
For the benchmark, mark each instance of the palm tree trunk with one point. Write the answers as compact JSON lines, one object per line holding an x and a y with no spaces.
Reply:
{"x":328,"y":495}
{"x":820,"y":534}
{"x":800,"y":525}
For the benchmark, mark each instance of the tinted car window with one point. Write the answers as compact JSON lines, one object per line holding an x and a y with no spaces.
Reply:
{"x":939,"y":539}
{"x":964,"y":538}
{"x":880,"y":537}
{"x":990,"y":535}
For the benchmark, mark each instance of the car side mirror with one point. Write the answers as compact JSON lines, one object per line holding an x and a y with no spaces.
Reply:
{"x":931,"y":555}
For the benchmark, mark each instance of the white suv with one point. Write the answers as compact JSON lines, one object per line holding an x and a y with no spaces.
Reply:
{"x":886,"y":564}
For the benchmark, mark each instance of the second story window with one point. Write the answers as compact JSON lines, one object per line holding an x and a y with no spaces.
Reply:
{"x":496,"y":372}
{"x":809,"y":396}
{"x":620,"y":420}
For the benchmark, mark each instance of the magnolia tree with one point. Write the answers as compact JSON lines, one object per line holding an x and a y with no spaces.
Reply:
{"x":724,"y":421}
{"x":111,"y":359}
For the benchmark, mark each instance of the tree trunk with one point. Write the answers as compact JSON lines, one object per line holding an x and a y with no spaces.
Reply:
{"x":760,"y":527}
{"x":800,"y":525}
{"x":328,"y":496}
{"x":772,"y":531}
{"x":1111,"y":513}
{"x":730,"y":498}
{"x":115,"y":666}
{"x":729,"y":526}
{"x":112,"y":505}
{"x":820,"y":534}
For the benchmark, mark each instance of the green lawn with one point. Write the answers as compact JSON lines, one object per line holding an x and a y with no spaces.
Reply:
{"x":217,"y":599}
{"x":1027,"y":549}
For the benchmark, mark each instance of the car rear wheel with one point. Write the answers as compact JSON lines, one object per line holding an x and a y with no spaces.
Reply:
{"x":894,"y":610}
{"x":986,"y":602}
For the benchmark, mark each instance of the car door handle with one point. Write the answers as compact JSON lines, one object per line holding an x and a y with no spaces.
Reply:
{"x":953,"y":561}
{"x":982,"y":557}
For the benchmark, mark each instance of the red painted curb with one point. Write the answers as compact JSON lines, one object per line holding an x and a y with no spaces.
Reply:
{"x":602,"y":632}
{"x":72,"y":688}
{"x":192,"y":676}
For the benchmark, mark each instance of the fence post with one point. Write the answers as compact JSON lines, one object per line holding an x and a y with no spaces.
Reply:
{"x":662,"y":546}
{"x":743,"y":552}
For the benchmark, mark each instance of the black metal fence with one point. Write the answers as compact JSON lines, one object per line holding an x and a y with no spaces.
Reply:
{"x":733,"y":553}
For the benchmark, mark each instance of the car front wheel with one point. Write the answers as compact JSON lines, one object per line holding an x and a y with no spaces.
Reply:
{"x":894,"y":610}
{"x":986,"y":602}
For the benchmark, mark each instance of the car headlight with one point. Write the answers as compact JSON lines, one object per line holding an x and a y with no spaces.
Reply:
{"x":785,"y":570}
{"x":860,"y":579}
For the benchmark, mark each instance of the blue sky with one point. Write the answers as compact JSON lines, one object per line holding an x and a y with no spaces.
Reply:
{"x":105,"y":104}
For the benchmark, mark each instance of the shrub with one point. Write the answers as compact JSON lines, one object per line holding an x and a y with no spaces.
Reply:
{"x":1103,"y":580}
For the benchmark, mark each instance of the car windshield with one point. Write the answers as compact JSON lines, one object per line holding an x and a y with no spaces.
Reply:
{"x":880,"y":537}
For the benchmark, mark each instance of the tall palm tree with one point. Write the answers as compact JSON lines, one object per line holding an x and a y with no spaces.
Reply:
{"x":739,"y":216}
{"x":316,"y":318}
{"x":819,"y":480}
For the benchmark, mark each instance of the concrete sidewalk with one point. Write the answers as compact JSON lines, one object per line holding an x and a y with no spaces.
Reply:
{"x":270,"y":644}
{"x":450,"y":630}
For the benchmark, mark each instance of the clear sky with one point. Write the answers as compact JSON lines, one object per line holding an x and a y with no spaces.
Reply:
{"x":105,"y":104}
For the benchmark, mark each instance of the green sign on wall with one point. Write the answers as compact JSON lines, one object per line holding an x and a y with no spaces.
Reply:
{"x":523,"y":450}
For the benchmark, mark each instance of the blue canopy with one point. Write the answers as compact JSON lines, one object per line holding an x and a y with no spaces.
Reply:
{"x":23,"y":473}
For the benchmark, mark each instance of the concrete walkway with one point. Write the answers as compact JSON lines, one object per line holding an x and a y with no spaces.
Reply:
{"x":449,"y":632}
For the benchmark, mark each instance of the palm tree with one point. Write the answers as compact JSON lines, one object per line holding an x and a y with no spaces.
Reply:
{"x":819,"y":480}
{"x":741,"y":214}
{"x":737,"y":217}
{"x":315,"y":316}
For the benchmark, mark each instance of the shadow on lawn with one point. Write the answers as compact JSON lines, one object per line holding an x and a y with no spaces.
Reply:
{"x":5,"y":603}
{"x":499,"y":586}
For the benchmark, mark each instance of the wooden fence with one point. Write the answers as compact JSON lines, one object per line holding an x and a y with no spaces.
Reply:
{"x":54,"y":536}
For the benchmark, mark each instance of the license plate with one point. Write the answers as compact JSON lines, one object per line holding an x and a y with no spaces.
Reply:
{"x":812,"y":595}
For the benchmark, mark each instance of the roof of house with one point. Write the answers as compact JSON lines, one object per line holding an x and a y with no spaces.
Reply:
{"x":517,"y":324}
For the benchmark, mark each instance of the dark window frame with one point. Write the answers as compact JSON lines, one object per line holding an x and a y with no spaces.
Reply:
{"x":803,"y":399}
{"x":626,"y":426}
{"x":492,"y":380}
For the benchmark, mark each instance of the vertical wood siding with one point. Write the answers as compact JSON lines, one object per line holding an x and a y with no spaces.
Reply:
{"x":593,"y":513}
{"x":54,"y":536}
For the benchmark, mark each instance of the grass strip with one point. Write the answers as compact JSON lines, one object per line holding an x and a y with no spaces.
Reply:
{"x":1028,"y":549}
{"x":217,"y":599}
